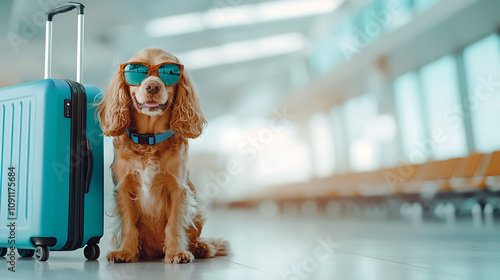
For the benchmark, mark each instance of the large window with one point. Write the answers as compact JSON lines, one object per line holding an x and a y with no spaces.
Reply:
{"x":340,"y":141}
{"x":368,"y":134}
{"x":482,"y":61}
{"x":410,"y":116}
{"x":444,"y":109}
{"x":362,"y":151}
{"x":350,"y":35}
{"x":323,"y":144}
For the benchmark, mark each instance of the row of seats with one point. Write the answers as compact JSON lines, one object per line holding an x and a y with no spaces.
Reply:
{"x":472,"y":173}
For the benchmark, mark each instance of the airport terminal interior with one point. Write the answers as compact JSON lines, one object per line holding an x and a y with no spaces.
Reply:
{"x":346,"y":139}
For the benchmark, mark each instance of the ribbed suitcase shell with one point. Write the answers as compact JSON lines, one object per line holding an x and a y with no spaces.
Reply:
{"x":36,"y":141}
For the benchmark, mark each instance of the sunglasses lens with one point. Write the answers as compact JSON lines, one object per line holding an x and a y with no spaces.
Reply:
{"x":135,"y":73}
{"x":169,"y":74}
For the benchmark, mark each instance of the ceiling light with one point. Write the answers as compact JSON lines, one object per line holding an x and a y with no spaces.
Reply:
{"x":243,"y":51}
{"x":174,"y":25}
{"x":218,"y":18}
{"x":239,"y":15}
{"x":280,"y":10}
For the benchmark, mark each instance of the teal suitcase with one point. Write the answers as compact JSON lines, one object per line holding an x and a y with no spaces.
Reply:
{"x":51,"y":163}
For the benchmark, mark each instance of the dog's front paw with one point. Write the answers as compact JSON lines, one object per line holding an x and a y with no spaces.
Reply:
{"x":122,"y":257}
{"x":181,"y":257}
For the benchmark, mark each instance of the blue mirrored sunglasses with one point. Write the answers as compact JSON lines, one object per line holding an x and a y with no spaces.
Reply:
{"x":135,"y":72}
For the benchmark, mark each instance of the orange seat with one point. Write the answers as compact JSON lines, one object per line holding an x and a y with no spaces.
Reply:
{"x":282,"y":192}
{"x":321,"y":187}
{"x":445,"y":169}
{"x":293,"y":191}
{"x":423,"y":174}
{"x":339,"y":185}
{"x":492,"y":171}
{"x":379,"y":183}
{"x":404,"y":175}
{"x":348,"y":186}
{"x":467,"y":175}
{"x":439,"y":180}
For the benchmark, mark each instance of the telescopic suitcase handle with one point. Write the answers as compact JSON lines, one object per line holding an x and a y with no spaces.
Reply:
{"x":59,"y":9}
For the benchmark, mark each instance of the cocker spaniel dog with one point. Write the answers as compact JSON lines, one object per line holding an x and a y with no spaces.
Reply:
{"x":151,"y":109}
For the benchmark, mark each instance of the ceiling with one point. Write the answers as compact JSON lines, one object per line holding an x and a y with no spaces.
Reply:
{"x":115,"y":30}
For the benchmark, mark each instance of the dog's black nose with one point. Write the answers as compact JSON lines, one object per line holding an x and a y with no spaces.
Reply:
{"x":153,"y":87}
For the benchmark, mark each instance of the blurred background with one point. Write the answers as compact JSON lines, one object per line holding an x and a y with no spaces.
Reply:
{"x":295,"y":90}
{"x":329,"y":108}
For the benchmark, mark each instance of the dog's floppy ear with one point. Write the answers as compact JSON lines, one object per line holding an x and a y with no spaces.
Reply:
{"x":187,"y":118}
{"x":114,"y":109}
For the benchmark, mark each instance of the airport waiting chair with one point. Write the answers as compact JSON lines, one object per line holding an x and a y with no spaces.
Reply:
{"x":291,"y":192}
{"x":474,"y":172}
{"x":379,"y":184}
{"x":320,"y":188}
{"x":424,"y":173}
{"x":404,"y":175}
{"x":282,"y":192}
{"x":324,"y":187}
{"x":334,"y":186}
{"x":439,"y":179}
{"x":348,"y":186}
{"x":492,"y":172}
{"x":469,"y":174}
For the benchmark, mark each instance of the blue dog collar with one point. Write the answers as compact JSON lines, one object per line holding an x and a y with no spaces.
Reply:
{"x":149,"y":139}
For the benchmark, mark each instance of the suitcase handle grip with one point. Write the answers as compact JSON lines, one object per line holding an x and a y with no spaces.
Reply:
{"x":90,"y":166}
{"x":63,"y":8}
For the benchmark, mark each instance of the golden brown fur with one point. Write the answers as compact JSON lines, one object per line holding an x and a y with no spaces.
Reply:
{"x":155,"y":199}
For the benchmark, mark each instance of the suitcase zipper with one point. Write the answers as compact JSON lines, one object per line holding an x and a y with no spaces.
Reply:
{"x":78,"y":154}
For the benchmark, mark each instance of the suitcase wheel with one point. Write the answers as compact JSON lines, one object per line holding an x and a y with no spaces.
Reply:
{"x":25,"y":253}
{"x":42,"y":253}
{"x":3,"y":252}
{"x":91,"y":252}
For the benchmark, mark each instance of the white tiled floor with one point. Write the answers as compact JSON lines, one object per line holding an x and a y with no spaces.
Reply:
{"x":291,"y":247}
